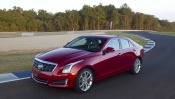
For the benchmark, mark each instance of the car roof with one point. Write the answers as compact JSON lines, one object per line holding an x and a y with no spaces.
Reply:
{"x":101,"y":36}
{"x":108,"y":37}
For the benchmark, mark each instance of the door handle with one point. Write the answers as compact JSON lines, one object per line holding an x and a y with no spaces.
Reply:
{"x":119,"y":54}
{"x":134,"y":50}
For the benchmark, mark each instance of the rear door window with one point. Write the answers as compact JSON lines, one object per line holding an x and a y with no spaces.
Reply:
{"x":124,"y":43}
{"x":131,"y":45}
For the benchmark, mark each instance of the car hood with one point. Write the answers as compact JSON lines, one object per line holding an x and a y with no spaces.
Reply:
{"x":61,"y":55}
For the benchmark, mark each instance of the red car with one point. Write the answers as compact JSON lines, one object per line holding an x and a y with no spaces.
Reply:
{"x":87,"y":59}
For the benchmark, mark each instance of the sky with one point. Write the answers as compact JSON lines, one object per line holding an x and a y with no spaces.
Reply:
{"x":162,"y":9}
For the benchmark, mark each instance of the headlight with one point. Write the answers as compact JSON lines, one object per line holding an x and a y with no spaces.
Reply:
{"x":68,"y":67}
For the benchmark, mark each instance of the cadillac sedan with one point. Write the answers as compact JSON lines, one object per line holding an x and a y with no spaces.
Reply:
{"x":87,"y":59}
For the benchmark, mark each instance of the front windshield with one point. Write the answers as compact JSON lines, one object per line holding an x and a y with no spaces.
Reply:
{"x":87,"y":44}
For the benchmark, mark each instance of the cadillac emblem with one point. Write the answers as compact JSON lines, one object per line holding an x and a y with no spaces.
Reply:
{"x":40,"y":66}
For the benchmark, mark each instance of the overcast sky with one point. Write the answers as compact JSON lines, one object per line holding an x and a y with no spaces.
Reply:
{"x":162,"y":9}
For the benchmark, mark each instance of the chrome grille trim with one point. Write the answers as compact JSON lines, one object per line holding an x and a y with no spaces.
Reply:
{"x":45,"y":64}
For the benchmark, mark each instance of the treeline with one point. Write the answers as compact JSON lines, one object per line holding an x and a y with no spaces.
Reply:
{"x":88,"y":18}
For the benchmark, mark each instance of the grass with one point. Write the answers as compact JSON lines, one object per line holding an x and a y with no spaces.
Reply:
{"x":16,"y":61}
{"x":22,"y":60}
{"x":167,"y":33}
{"x":133,"y":37}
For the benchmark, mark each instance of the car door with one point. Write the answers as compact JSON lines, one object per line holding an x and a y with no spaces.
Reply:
{"x":110,"y":62}
{"x":128,"y":54}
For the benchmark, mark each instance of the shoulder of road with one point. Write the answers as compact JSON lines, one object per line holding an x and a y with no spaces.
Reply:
{"x":14,"y":76}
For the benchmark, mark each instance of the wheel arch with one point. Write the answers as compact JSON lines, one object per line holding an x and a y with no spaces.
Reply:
{"x":89,"y":67}
{"x":139,"y":57}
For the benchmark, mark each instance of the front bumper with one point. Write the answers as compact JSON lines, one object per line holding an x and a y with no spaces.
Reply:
{"x":53,"y":79}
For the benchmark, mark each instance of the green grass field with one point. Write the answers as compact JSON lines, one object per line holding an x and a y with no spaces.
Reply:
{"x":22,"y":60}
{"x":18,"y":61}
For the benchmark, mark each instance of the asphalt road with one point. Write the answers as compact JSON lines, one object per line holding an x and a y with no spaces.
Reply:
{"x":156,"y":80}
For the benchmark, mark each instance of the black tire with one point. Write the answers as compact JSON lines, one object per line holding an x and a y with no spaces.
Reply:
{"x":136,"y":66}
{"x":84,"y":80}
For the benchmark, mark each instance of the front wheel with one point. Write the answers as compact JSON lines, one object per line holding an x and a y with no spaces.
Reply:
{"x":84,"y":80}
{"x":136,"y":67}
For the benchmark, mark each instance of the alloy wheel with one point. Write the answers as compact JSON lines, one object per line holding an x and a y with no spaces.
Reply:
{"x":137,"y":66}
{"x":85,"y":80}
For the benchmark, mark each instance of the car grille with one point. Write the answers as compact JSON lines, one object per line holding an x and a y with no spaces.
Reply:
{"x":44,"y":66}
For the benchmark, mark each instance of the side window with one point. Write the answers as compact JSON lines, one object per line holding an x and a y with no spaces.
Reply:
{"x":114,"y":43}
{"x":131,"y":45}
{"x":124,"y":43}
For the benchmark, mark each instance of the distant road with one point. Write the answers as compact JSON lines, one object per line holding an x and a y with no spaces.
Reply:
{"x":14,"y":41}
{"x":38,"y":42}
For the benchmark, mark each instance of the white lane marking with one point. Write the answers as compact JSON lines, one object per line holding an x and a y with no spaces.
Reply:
{"x":8,"y":76}
{"x":150,"y":44}
{"x":14,"y":80}
{"x":150,"y":41}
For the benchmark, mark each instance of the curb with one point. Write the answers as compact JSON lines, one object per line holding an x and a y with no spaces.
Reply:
{"x":150,"y":44}
{"x":15,"y":76}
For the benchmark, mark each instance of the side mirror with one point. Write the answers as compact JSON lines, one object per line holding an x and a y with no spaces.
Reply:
{"x":108,"y":50}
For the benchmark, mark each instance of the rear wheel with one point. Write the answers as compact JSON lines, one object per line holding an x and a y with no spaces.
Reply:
{"x":84,"y":80}
{"x":136,"y":67}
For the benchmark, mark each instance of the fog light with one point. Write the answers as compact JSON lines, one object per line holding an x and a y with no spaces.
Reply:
{"x":60,"y":82}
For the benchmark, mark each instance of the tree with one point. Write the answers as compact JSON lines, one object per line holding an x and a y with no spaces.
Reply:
{"x":99,"y":15}
{"x":86,"y":14}
{"x":88,"y":18}
{"x":73,"y":19}
{"x":127,"y":15}
{"x":150,"y":23}
{"x":59,"y":22}
{"x":5,"y":20}
{"x":17,"y":19}
{"x":138,"y":21}
{"x":31,"y":22}
{"x":42,"y":15}
{"x":111,"y":16}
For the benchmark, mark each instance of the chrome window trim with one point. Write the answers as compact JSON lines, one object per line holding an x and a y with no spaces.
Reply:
{"x":42,"y":61}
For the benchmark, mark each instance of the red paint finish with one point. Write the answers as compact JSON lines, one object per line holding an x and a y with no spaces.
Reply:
{"x":102,"y":63}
